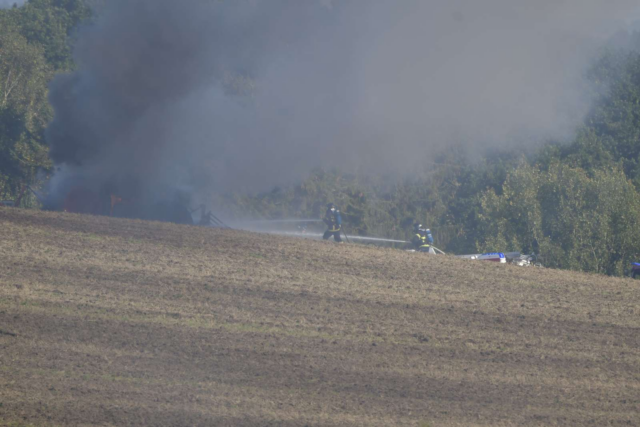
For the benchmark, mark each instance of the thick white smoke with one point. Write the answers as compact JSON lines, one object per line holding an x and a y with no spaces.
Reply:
{"x":219,"y":95}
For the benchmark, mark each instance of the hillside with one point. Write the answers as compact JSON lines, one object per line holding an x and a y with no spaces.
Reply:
{"x":117,"y":322}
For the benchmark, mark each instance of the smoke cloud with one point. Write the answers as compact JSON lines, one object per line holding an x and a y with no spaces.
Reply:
{"x":226,"y":95}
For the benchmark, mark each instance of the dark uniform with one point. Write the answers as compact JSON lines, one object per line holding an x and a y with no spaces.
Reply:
{"x":422,"y":239}
{"x":334,"y":223}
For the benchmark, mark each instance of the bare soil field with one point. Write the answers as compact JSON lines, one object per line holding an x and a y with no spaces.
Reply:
{"x":115,"y":322}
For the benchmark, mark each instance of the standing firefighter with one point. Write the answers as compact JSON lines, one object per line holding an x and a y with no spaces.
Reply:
{"x":422,"y":240}
{"x":334,"y":223}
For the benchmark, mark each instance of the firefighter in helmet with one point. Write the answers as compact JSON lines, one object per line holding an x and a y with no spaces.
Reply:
{"x":334,"y":223}
{"x":422,"y":239}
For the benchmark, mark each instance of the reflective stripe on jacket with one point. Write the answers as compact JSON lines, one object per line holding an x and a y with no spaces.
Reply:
{"x":420,"y":241}
{"x":333,"y":220}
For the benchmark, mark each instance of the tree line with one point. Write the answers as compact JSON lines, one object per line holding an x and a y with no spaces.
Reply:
{"x":35,"y":44}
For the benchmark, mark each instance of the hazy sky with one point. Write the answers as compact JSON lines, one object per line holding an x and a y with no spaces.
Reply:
{"x":9,"y":3}
{"x":365,"y":85}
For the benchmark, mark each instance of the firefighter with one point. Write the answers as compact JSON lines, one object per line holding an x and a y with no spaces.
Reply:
{"x":334,"y":223}
{"x":422,"y":240}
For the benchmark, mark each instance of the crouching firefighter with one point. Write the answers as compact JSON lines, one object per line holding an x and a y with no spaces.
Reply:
{"x":422,"y":240}
{"x":334,"y":223}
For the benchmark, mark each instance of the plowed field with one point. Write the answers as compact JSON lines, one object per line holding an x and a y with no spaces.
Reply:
{"x":117,"y":322}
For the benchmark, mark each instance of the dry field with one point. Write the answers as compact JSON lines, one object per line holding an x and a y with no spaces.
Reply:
{"x":116,"y":322}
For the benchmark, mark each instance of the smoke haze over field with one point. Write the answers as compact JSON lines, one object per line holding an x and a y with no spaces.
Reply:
{"x":248,"y":94}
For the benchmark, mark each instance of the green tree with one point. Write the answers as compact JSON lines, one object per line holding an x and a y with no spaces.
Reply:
{"x":577,"y":220}
{"x":51,"y":24}
{"x":24,"y":110}
{"x":512,"y":221}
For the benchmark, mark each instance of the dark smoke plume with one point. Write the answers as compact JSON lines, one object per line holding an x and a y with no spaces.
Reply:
{"x":208,"y":95}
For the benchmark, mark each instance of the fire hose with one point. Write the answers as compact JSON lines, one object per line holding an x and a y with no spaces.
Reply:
{"x":345,"y":234}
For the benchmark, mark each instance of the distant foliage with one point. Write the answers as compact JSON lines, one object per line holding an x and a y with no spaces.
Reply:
{"x":34,"y":45}
{"x":576,"y":221}
{"x":24,"y":110}
{"x":573,"y":218}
